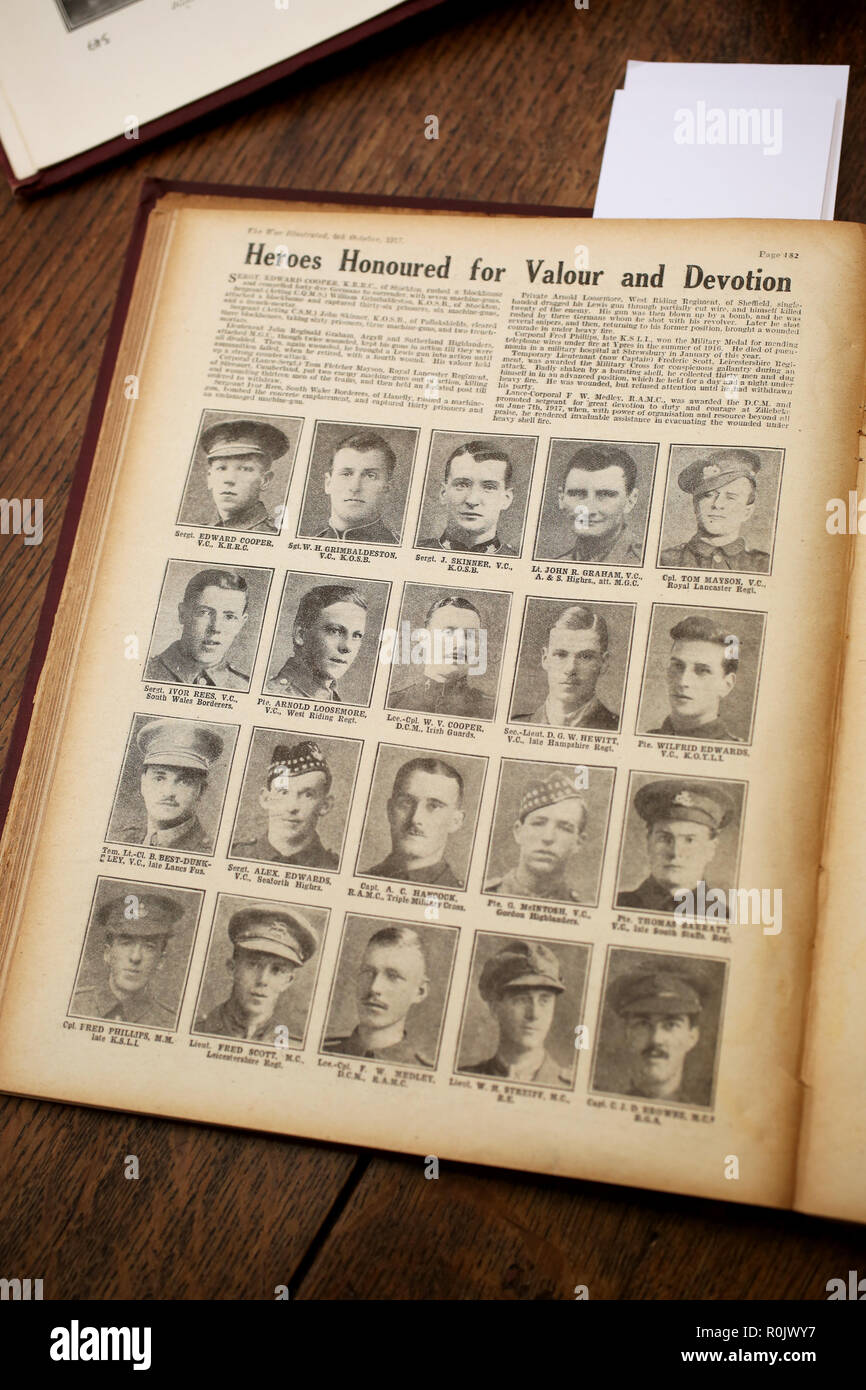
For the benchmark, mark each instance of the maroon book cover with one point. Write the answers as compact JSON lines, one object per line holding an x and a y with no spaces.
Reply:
{"x":152,"y":190}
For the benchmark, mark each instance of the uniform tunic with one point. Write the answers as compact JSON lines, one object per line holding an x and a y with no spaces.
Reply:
{"x":445,"y":542}
{"x":701,"y":554}
{"x":296,"y":681}
{"x":175,"y":665}
{"x":549,"y":1073}
{"x":189,"y":834}
{"x":715,"y":728}
{"x":226,"y":1021}
{"x":654,"y":898}
{"x":353,"y":1045}
{"x":623,"y":550}
{"x":254,"y":517}
{"x":458,"y":698}
{"x":313,"y":855}
{"x":595,"y":715}
{"x":441,"y":874}
{"x":372,"y":531}
{"x":100,"y":1001}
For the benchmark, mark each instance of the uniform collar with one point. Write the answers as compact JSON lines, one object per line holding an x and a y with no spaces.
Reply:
{"x":302,"y":678}
{"x":705,"y":545}
{"x":189,"y":672}
{"x":166,"y":839}
{"x":252,"y":514}
{"x":574,"y":720}
{"x":489,"y":547}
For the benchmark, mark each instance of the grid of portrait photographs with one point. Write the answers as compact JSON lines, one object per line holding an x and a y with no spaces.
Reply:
{"x":416,"y":739}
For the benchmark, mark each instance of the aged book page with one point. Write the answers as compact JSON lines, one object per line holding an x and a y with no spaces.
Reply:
{"x":422,"y":738}
{"x":833,"y":1140}
{"x":113,"y":65}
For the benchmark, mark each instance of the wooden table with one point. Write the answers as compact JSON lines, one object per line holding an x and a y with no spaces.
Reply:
{"x":522,"y":92}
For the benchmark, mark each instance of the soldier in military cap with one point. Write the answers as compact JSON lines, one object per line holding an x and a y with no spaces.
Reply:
{"x":660,"y":1010}
{"x":176,"y":759}
{"x":520,"y":985}
{"x":683,"y":820}
{"x":358,"y":483}
{"x":476,"y":490}
{"x":391,"y":981}
{"x":212,"y":614}
{"x":598,"y":492}
{"x":424,"y":810}
{"x":327,"y":634}
{"x":269,"y":946}
{"x":723,"y":487}
{"x":138,"y":927}
{"x":702,"y":671}
{"x":240,"y":457}
{"x":295,"y":797}
{"x":550,"y":829}
{"x":456,"y":641}
{"x":574,"y":657}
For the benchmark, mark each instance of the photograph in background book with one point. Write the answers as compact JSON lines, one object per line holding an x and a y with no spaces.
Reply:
{"x":431,"y":753}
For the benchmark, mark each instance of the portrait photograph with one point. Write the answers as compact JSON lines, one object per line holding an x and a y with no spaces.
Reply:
{"x":681,"y":842}
{"x":325,"y":646}
{"x":75,"y":13}
{"x":524,"y":999}
{"x":207,"y":626}
{"x":720,"y":508}
{"x":295,"y":799}
{"x":659,"y":1032}
{"x":549,"y":831}
{"x":572,"y":664}
{"x":239,"y":474}
{"x":701,"y":673}
{"x":446,"y":658}
{"x":421,"y":816}
{"x":262,"y":963}
{"x":172,"y":784}
{"x":136,"y":953}
{"x":390,"y":990}
{"x":476,"y":492}
{"x":596,"y":504}
{"x":357,"y":483}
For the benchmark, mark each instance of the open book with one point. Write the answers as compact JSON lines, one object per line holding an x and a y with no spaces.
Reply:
{"x":82,"y":81}
{"x":451,"y":721}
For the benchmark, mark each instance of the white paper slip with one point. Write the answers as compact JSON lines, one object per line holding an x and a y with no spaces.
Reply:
{"x":753,"y":85}
{"x":672,"y":155}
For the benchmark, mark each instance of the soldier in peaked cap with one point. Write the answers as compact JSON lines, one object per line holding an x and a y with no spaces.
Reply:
{"x":520,"y":985}
{"x":176,"y":759}
{"x":240,"y":456}
{"x":723,"y":488}
{"x":660,"y":1009}
{"x":137,"y":927}
{"x":392,"y":980}
{"x":295,"y":797}
{"x":683,"y":820}
{"x":270,"y":944}
{"x":548,"y":831}
{"x":701,"y":673}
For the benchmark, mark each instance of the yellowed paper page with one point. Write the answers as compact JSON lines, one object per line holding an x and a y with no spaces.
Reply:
{"x":475,"y":900}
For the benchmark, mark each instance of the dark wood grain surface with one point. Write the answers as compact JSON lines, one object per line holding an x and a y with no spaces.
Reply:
{"x":522,"y":93}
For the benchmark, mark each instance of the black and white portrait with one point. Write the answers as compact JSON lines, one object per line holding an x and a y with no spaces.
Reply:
{"x":524,"y":1000}
{"x":701,"y":673}
{"x":720,"y":508}
{"x":358,"y":483}
{"x":390,"y":991}
{"x":681,"y":845}
{"x":295,"y":799}
{"x":421,"y":816}
{"x":172,"y":784}
{"x":572,"y":664}
{"x":660,"y":1026}
{"x":207,"y":625}
{"x":476,"y":493}
{"x":445,"y":656}
{"x":326,"y":643}
{"x":549,"y":831}
{"x":136,"y":953}
{"x":260,"y":973}
{"x":597,"y":496}
{"x":240,"y":471}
